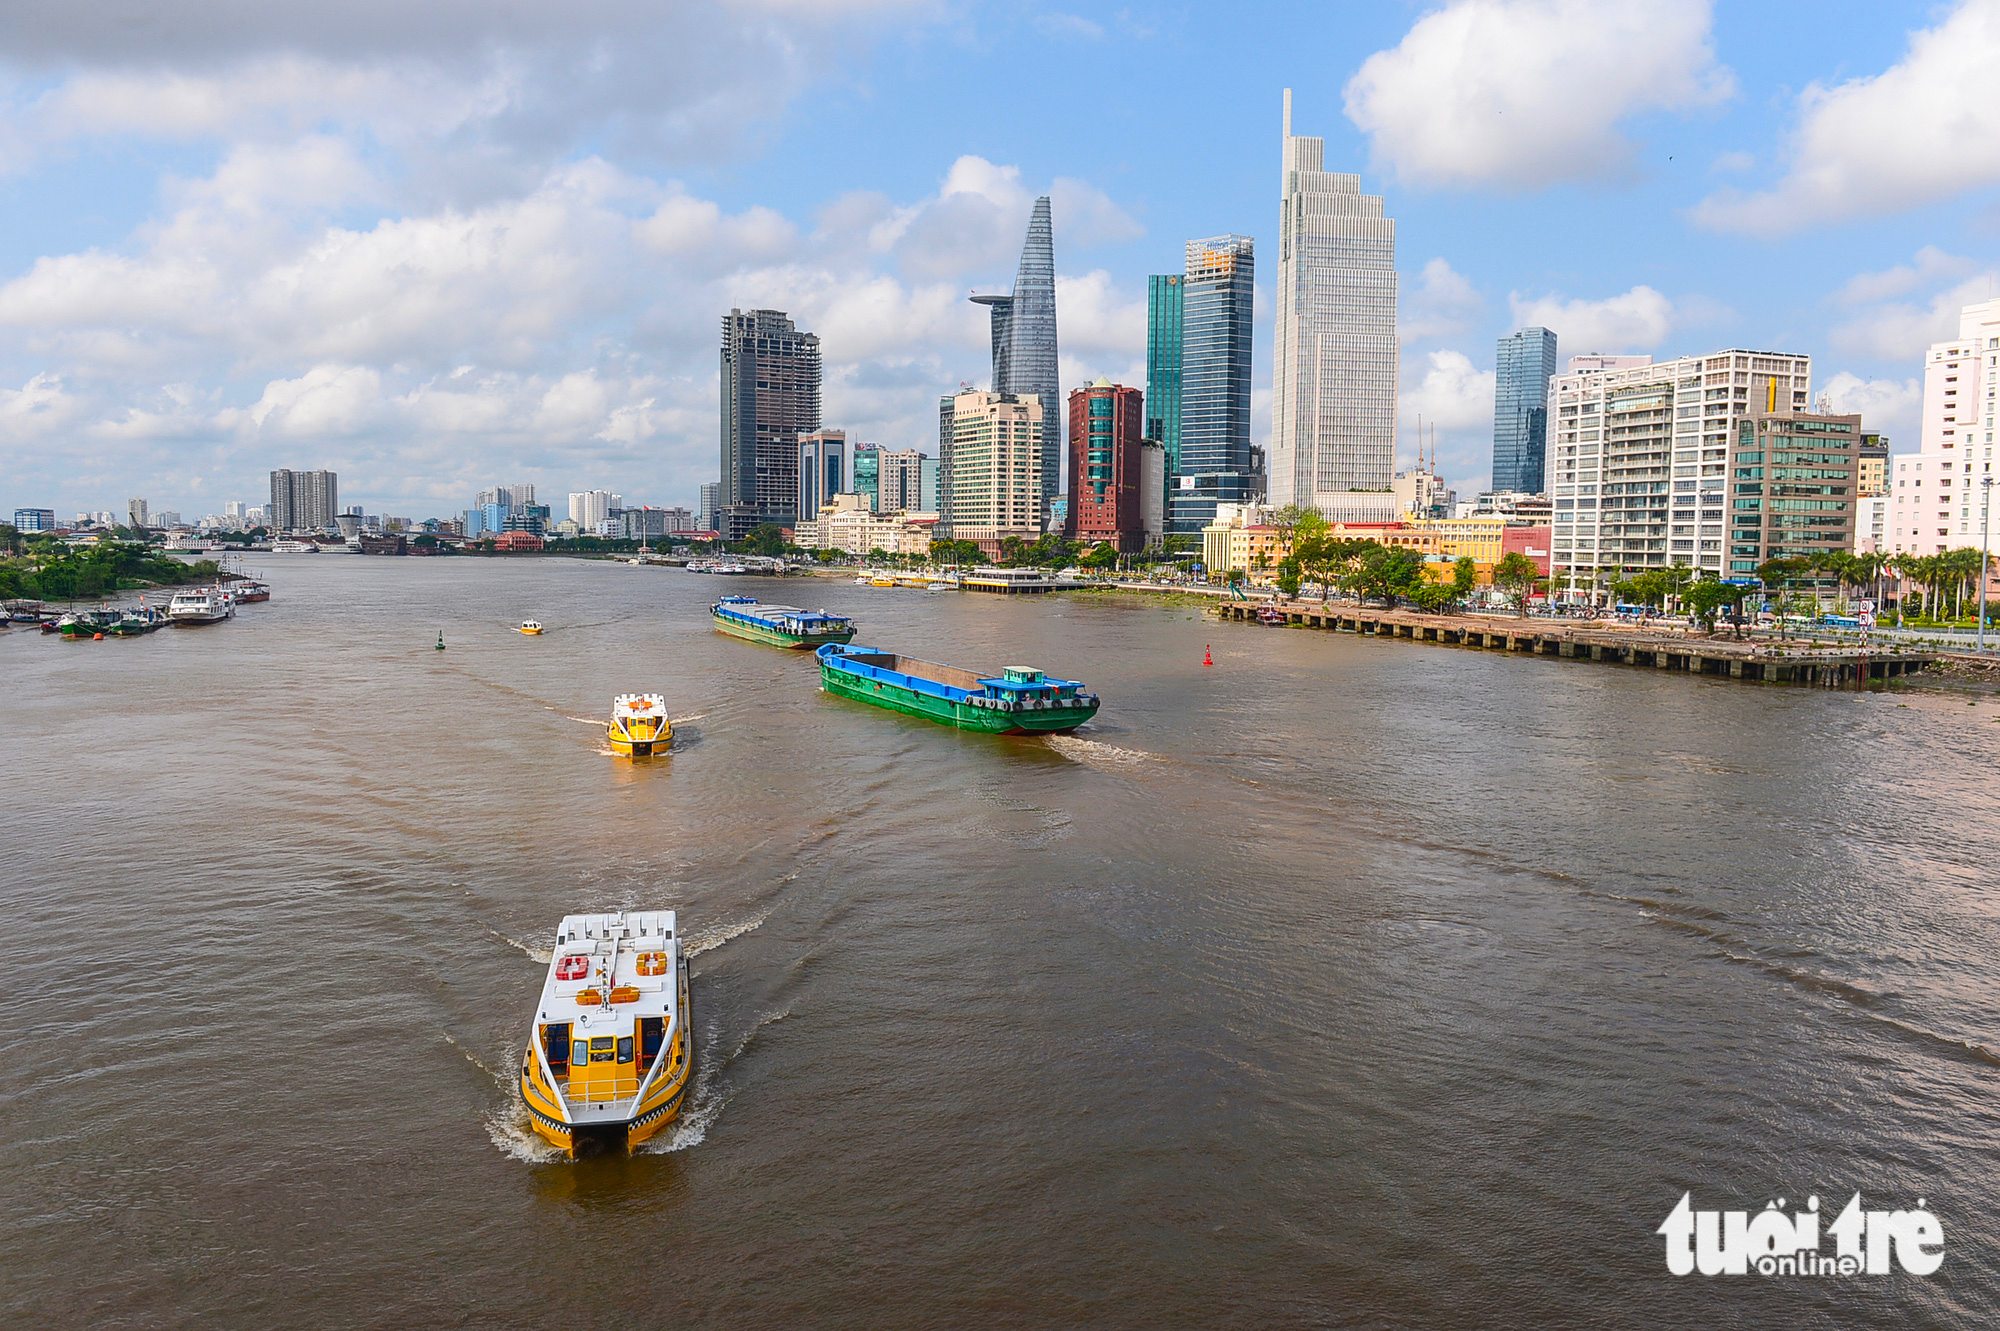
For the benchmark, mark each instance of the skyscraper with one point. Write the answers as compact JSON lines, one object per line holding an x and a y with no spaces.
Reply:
{"x":867,"y":480}
{"x":1104,"y":480}
{"x":822,"y":470}
{"x":1215,"y":464}
{"x":304,"y":500}
{"x":770,"y":397}
{"x":1164,"y":313}
{"x":1024,"y":341}
{"x":711,"y":498}
{"x":1333,"y":383}
{"x":1522,"y":370}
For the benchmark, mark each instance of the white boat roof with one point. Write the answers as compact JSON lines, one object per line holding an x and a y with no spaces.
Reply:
{"x":610,"y":947}
{"x":635,"y":704}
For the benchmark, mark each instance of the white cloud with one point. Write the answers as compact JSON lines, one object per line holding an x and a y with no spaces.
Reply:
{"x":1880,"y":327}
{"x":1452,"y":394}
{"x":1926,"y":128}
{"x":1637,"y":320}
{"x":1440,"y":303}
{"x":562,"y":334}
{"x":1524,"y":93}
{"x":1890,"y":406}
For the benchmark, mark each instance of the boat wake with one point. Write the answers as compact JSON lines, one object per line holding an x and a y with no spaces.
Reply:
{"x":539,"y":955}
{"x":1093,"y":753}
{"x":706,"y":1102}
{"x":705,"y":942}
{"x":510,"y":1130}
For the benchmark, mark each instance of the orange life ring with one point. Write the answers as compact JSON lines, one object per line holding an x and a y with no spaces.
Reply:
{"x":652,"y":963}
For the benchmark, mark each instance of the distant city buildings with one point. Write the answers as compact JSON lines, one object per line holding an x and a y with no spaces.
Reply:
{"x":996,"y":483}
{"x":588,"y":509}
{"x":1525,"y":363}
{"x":770,"y":397}
{"x":1422,"y":493}
{"x":822,"y":469}
{"x":137,"y":515}
{"x":303,"y":500}
{"x":848,"y":523}
{"x":907,"y":482}
{"x":30,"y":520}
{"x":1333,"y":392}
{"x":644,"y":523}
{"x":1105,"y":421}
{"x":1934,"y":494}
{"x":711,"y":496}
{"x":1639,"y":458}
{"x":1023,"y":328}
{"x":1874,"y":475}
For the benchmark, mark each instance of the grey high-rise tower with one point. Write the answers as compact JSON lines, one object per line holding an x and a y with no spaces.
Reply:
{"x":1024,"y":340}
{"x":1523,"y":368}
{"x":770,"y":397}
{"x":1333,"y":381}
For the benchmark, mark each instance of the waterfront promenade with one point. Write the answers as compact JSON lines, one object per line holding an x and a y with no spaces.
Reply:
{"x":1749,"y":659}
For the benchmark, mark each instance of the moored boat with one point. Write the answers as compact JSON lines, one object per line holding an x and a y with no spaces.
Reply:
{"x":87,"y":623}
{"x":245,"y":591}
{"x":140,"y":620}
{"x":294,"y":548}
{"x":1020,"y":700}
{"x":639,"y":726}
{"x":203,"y":605}
{"x":609,"y":1051}
{"x":779,"y":625}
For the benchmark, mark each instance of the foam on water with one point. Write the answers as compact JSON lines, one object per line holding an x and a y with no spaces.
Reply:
{"x":541,"y":956}
{"x":1095,"y":753}
{"x":708,"y":941}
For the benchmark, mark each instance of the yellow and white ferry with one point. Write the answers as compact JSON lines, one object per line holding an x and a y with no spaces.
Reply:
{"x":639,"y":725}
{"x":610,"y":1051}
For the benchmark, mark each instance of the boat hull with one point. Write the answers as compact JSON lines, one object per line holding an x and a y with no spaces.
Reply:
{"x":771,"y":637}
{"x":896,"y":697}
{"x":640,"y":748}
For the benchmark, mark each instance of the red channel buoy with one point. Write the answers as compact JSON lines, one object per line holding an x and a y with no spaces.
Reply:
{"x":1206,"y":658}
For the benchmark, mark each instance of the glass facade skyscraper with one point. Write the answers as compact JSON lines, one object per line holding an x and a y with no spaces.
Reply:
{"x":1522,"y":370}
{"x":1024,"y":341}
{"x":1214,"y":390}
{"x":1163,"y":364}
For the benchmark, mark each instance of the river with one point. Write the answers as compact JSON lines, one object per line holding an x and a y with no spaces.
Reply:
{"x":1340,"y":983}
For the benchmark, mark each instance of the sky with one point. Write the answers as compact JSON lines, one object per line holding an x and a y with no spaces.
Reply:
{"x":438,"y":245}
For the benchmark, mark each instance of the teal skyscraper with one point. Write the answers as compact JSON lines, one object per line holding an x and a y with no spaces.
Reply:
{"x":1164,"y":314}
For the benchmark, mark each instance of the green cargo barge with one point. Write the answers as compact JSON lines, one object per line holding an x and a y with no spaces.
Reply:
{"x":779,"y":625}
{"x":1018,"y":701}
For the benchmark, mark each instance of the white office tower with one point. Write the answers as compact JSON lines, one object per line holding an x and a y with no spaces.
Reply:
{"x":1333,"y":391}
{"x":1935,"y":494}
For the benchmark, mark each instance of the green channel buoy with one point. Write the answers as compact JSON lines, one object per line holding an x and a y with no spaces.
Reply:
{"x":440,"y":645}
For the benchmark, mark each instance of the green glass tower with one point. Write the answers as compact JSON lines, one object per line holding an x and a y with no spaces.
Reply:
{"x":1164,"y":303}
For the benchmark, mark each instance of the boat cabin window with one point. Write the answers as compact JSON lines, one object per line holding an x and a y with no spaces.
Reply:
{"x":600,"y":1049}
{"x":624,"y":1049}
{"x":579,"y":1051}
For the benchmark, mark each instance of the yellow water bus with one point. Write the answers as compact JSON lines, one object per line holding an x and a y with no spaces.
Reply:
{"x":531,"y":627}
{"x":610,"y":1049}
{"x":639,"y":725}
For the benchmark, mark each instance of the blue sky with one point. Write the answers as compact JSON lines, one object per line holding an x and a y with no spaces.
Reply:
{"x":447,"y":245}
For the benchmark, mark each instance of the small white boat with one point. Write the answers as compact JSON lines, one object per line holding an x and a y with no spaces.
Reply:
{"x":531,"y":627}
{"x":294,"y":548}
{"x":207,"y":605}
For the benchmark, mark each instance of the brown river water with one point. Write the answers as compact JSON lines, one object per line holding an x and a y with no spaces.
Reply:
{"x":1341,"y":983}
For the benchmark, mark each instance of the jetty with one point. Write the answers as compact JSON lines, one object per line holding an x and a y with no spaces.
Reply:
{"x":1778,"y":662}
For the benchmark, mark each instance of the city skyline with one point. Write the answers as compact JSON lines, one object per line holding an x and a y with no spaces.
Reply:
{"x":233,"y":292}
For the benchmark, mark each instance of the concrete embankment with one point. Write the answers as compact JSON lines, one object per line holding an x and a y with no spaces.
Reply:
{"x":1772,"y":662}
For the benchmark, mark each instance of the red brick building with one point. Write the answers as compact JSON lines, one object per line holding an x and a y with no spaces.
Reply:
{"x":1106,"y":422}
{"x":517,"y":542}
